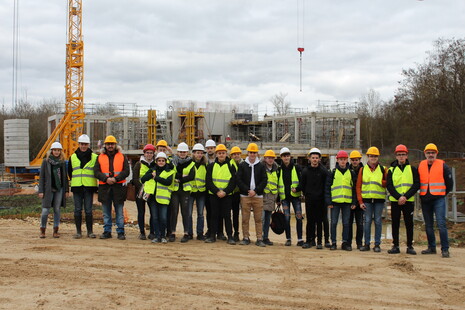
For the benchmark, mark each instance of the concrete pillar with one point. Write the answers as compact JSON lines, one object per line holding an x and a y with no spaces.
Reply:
{"x":273,"y":131}
{"x":357,"y":133}
{"x":125,"y":134}
{"x":296,"y":131}
{"x":313,"y":130}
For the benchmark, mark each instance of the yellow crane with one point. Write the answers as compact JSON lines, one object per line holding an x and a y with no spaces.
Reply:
{"x":70,"y":126}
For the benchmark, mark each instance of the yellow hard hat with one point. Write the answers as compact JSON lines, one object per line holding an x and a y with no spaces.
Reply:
{"x":162,"y":143}
{"x":235,"y":150}
{"x":252,"y":147}
{"x":431,"y":147}
{"x":373,"y":151}
{"x":110,"y":139}
{"x":221,"y":147}
{"x":355,"y":154}
{"x":270,"y":153}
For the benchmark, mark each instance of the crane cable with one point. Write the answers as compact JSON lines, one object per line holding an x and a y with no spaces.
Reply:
{"x":300,"y":33}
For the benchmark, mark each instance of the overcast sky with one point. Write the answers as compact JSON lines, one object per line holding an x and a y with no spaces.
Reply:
{"x":153,"y":51}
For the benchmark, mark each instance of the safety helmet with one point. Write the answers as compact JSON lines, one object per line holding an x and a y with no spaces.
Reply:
{"x":284,"y":150}
{"x":431,"y":147}
{"x":314,"y":150}
{"x":198,"y":147}
{"x":355,"y":154}
{"x":56,"y":145}
{"x":161,"y":155}
{"x":162,"y":143}
{"x":83,"y":139}
{"x":149,"y":147}
{"x":270,"y":153}
{"x":342,"y":154}
{"x":401,"y":148}
{"x":183,"y":147}
{"x":210,"y":143}
{"x":220,"y":147}
{"x":373,"y":151}
{"x":235,"y":149}
{"x":110,"y":139}
{"x":252,"y":147}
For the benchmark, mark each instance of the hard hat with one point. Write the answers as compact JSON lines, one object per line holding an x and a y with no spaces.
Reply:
{"x":355,"y":154}
{"x":431,"y":147}
{"x":210,"y":143}
{"x":235,"y":149}
{"x":56,"y":145}
{"x":149,"y":147}
{"x":162,"y":143}
{"x":198,"y":147}
{"x":252,"y":147}
{"x":110,"y":139}
{"x":401,"y":148}
{"x":284,"y":150}
{"x":342,"y":154}
{"x":182,"y":147}
{"x":161,"y":155}
{"x":270,"y":153}
{"x":373,"y":151}
{"x":314,"y":150}
{"x":220,"y":147}
{"x":83,"y":139}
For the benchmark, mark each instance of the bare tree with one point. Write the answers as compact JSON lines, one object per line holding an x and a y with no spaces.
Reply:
{"x":370,"y":107}
{"x":280,"y":104}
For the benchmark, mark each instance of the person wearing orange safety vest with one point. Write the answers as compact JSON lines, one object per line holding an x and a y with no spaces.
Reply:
{"x":111,"y":170}
{"x":435,"y":183}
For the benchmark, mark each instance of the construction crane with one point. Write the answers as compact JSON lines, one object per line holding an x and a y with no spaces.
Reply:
{"x":70,"y":126}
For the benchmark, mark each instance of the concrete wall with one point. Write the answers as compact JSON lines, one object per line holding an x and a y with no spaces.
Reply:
{"x":16,"y":137}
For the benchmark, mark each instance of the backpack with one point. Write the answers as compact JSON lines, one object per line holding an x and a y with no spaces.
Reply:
{"x":278,"y":221}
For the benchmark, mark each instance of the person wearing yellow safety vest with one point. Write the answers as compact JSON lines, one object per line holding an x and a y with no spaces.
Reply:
{"x":220,"y":181}
{"x":252,"y":179}
{"x":158,"y":184}
{"x":356,"y":214}
{"x":270,"y":193}
{"x":146,"y":162}
{"x":111,"y":170}
{"x":289,"y":193}
{"x":371,"y":194}
{"x":83,"y":184}
{"x":236,"y":159}
{"x":199,"y":189}
{"x":181,"y":196}
{"x":402,"y":183}
{"x":341,"y":198}
{"x":435,"y":183}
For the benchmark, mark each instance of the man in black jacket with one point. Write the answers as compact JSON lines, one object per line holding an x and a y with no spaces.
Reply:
{"x":251,"y":179}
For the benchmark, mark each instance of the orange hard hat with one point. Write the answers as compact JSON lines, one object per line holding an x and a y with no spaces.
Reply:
{"x":401,"y":148}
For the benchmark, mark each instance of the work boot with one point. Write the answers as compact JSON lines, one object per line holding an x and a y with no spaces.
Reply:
{"x":300,"y":243}
{"x":359,"y":245}
{"x":260,"y":243}
{"x":172,"y":238}
{"x":151,"y":236}
{"x":365,"y":248}
{"x":429,"y":251}
{"x":377,"y":248}
{"x":267,"y":241}
{"x":190,"y":236}
{"x":55,"y":232}
{"x":231,"y":241}
{"x":42,"y":233}
{"x":346,"y":247}
{"x":445,"y":253}
{"x":236,"y":237}
{"x":319,"y":246}
{"x":288,"y":242}
{"x":121,"y":236}
{"x":105,"y":235}
{"x":395,"y":250}
{"x":78,"y":223}
{"x":201,"y":237}
{"x":210,"y":240}
{"x":245,"y":241}
{"x":306,"y":245}
{"x":185,"y":238}
{"x":221,"y":237}
{"x":90,"y":227}
{"x":411,"y":251}
{"x":333,"y":247}
{"x":327,"y":244}
{"x":142,"y":237}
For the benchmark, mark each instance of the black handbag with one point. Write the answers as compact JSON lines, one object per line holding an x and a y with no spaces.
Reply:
{"x":278,"y":221}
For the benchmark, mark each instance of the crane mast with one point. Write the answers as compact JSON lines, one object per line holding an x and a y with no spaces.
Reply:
{"x":70,"y":126}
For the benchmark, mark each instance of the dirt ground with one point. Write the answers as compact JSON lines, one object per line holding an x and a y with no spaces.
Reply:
{"x":95,"y":274}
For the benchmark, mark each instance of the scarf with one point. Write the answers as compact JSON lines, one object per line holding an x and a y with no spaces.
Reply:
{"x":178,"y":161}
{"x":55,"y":164}
{"x":84,"y":157}
{"x":252,"y":177}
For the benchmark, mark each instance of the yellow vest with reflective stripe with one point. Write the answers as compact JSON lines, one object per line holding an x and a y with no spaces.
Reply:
{"x":341,"y":190}
{"x":372,"y":187}
{"x":163,"y":192}
{"x":221,"y":176}
{"x":402,"y":181}
{"x":149,"y":186}
{"x":187,"y":187}
{"x":84,"y":176}
{"x":198,"y":185}
{"x":272,"y":184}
{"x":233,"y":162}
{"x":294,"y":184}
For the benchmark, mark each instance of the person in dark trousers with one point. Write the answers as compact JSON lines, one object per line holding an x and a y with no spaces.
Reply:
{"x":210,"y":147}
{"x":270,"y":193}
{"x":313,"y":184}
{"x":83,"y":184}
{"x":356,"y":214}
{"x":199,"y":189}
{"x":402,"y":183}
{"x":236,"y":159}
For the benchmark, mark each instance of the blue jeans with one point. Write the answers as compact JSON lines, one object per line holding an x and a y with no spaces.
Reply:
{"x":295,"y":201}
{"x":435,"y":207}
{"x":82,"y":199}
{"x":199,"y":199}
{"x":266,"y":220}
{"x":56,"y":204}
{"x":107,"y":223}
{"x":376,"y":210}
{"x":159,"y":217}
{"x":345,"y":209}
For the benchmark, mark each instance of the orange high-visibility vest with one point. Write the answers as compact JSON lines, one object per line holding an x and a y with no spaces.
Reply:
{"x":118,"y":164}
{"x":432,"y":178}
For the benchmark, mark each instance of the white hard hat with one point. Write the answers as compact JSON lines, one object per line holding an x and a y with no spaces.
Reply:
{"x":284,"y":150}
{"x":84,"y":139}
{"x":314,"y":150}
{"x":210,"y":143}
{"x":183,"y":147}
{"x":56,"y":145}
{"x":161,"y":155}
{"x":198,"y":147}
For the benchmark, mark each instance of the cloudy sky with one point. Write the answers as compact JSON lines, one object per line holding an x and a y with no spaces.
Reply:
{"x":154,"y":51}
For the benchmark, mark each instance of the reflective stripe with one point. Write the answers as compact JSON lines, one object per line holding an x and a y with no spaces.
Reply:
{"x":342,"y":186}
{"x":162,"y":197}
{"x":371,"y":183}
{"x":272,"y":183}
{"x":294,"y":181}
{"x":436,"y":190}
{"x":404,"y":184}
{"x":437,"y":184}
{"x":342,"y":196}
{"x":220,"y":180}
{"x":432,"y":178}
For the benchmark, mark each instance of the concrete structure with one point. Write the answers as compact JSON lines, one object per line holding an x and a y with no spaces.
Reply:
{"x":16,"y":134}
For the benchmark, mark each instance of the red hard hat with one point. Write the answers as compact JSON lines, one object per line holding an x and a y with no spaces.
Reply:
{"x":401,"y":148}
{"x":149,"y":147}
{"x":342,"y":154}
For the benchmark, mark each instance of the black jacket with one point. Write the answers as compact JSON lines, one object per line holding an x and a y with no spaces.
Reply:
{"x":390,"y":185}
{"x":244,"y":174}
{"x":286,"y":173}
{"x":209,"y":181}
{"x":329,"y":183}
{"x":313,"y":182}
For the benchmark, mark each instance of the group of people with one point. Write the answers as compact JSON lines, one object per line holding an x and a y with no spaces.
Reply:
{"x":225,"y":185}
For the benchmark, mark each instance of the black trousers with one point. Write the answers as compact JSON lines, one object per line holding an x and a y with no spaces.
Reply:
{"x":407,"y":211}
{"x":140,"y":203}
{"x":220,"y":208}
{"x":236,"y":200}
{"x":356,"y":214}
{"x":317,"y":212}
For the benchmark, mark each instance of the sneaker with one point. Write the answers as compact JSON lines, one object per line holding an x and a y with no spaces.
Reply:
{"x":394,"y":250}
{"x":313,"y":243}
{"x":327,"y":244}
{"x":411,"y":251}
{"x":300,"y":243}
{"x":260,"y":243}
{"x":346,"y":247}
{"x":142,"y":237}
{"x":210,"y":240}
{"x":185,"y":238}
{"x":222,"y":237}
{"x":306,"y":245}
{"x":156,"y":240}
{"x":172,"y":238}
{"x":151,"y":236}
{"x":91,"y":235}
{"x":121,"y":236}
{"x":376,"y":249}
{"x":201,"y":237}
{"x":288,"y":242}
{"x":190,"y":236}
{"x":163,"y":240}
{"x":231,"y":241}
{"x":365,"y":248}
{"x":445,"y":253}
{"x":319,"y":246}
{"x":245,"y":241}
{"x":333,"y":247}
{"x":267,"y":241}
{"x":429,"y":251}
{"x":105,"y":235}
{"x":236,"y":237}
{"x":77,"y":236}
{"x":359,"y":245}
